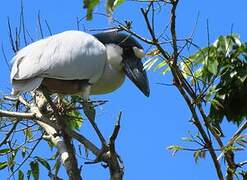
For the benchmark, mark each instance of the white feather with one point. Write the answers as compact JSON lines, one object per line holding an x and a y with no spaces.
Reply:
{"x":138,"y":52}
{"x":68,"y":55}
{"x":114,"y":55}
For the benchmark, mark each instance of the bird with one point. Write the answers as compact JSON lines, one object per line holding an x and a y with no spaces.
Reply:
{"x":78,"y":63}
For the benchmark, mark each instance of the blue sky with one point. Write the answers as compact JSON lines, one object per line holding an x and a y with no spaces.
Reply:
{"x":149,"y":125}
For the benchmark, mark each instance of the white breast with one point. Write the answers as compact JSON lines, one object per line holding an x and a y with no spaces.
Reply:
{"x":111,"y":79}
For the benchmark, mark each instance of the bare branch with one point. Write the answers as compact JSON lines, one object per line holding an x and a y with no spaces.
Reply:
{"x":11,"y":37}
{"x":48,"y":27}
{"x":173,"y":30}
{"x":20,"y":115}
{"x":22,"y":19}
{"x":115,"y":133}
{"x":40,"y":26}
{"x":89,"y":111}
{"x":115,"y":163}
{"x":65,"y":146}
{"x":23,"y":162}
{"x":4,"y":141}
{"x":234,"y":137}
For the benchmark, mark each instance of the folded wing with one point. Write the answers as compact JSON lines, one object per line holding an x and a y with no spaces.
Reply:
{"x":68,"y":56}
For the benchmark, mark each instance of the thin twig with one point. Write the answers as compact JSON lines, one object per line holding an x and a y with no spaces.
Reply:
{"x":39,"y":26}
{"x":234,"y":137}
{"x":115,"y":133}
{"x":48,"y":27}
{"x":4,"y":141}
{"x":182,"y":84}
{"x":23,"y":24}
{"x":29,"y":155}
{"x":11,"y":37}
{"x":173,"y":30}
{"x":4,"y":113}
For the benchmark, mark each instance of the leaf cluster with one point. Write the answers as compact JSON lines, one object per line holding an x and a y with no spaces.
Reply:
{"x":218,"y":74}
{"x":223,"y":72}
{"x":90,"y":5}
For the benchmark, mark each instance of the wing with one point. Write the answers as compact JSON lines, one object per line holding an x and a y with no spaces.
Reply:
{"x":68,"y":55}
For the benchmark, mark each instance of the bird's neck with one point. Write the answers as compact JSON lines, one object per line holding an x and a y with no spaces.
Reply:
{"x":110,"y":80}
{"x":114,"y":56}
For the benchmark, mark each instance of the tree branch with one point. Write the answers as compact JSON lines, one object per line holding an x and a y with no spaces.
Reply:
{"x":199,"y":126}
{"x":4,"y":141}
{"x":180,"y":82}
{"x":173,"y":30}
{"x":64,"y":145}
{"x":20,"y":115}
{"x":115,"y":164}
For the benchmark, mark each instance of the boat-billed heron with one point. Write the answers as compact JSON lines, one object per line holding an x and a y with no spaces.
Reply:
{"x":75,"y":62}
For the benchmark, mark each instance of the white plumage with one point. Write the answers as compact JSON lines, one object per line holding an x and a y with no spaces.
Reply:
{"x":68,"y":56}
{"x":74,"y":62}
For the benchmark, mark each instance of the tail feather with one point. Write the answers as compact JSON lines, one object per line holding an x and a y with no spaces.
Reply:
{"x":20,"y":86}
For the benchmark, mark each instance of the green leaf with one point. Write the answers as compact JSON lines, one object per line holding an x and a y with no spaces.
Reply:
{"x":29,"y":172}
{"x":198,"y":57}
{"x":166,"y":70}
{"x":20,"y":175}
{"x":187,"y":139}
{"x":117,"y":3}
{"x":74,"y":119}
{"x":112,"y":4}
{"x":50,"y":144}
{"x":90,"y":5}
{"x":153,"y":53}
{"x":236,"y":40}
{"x":3,"y":165}
{"x":174,"y":149}
{"x":89,"y":110}
{"x":160,"y":65}
{"x":199,"y":154}
{"x":11,"y":160}
{"x":35,"y":169}
{"x":54,"y":156}
{"x":4,"y":151}
{"x":23,"y":151}
{"x":57,"y":166}
{"x":43,"y":162}
{"x":241,"y":140}
{"x":213,"y":66}
{"x":149,"y":63}
{"x":186,"y":69}
{"x":28,"y":133}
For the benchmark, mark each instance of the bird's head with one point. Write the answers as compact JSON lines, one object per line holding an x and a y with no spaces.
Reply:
{"x":126,"y":51}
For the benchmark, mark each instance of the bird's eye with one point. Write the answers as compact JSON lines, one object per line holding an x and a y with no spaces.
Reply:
{"x":138,"y":52}
{"x":128,"y":51}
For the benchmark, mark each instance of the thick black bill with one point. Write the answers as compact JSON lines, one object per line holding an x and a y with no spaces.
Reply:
{"x":134,"y":70}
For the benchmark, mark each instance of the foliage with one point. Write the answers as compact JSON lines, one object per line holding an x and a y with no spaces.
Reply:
{"x":217,"y":75}
{"x":111,"y":5}
{"x":219,"y":71}
{"x":222,"y":70}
